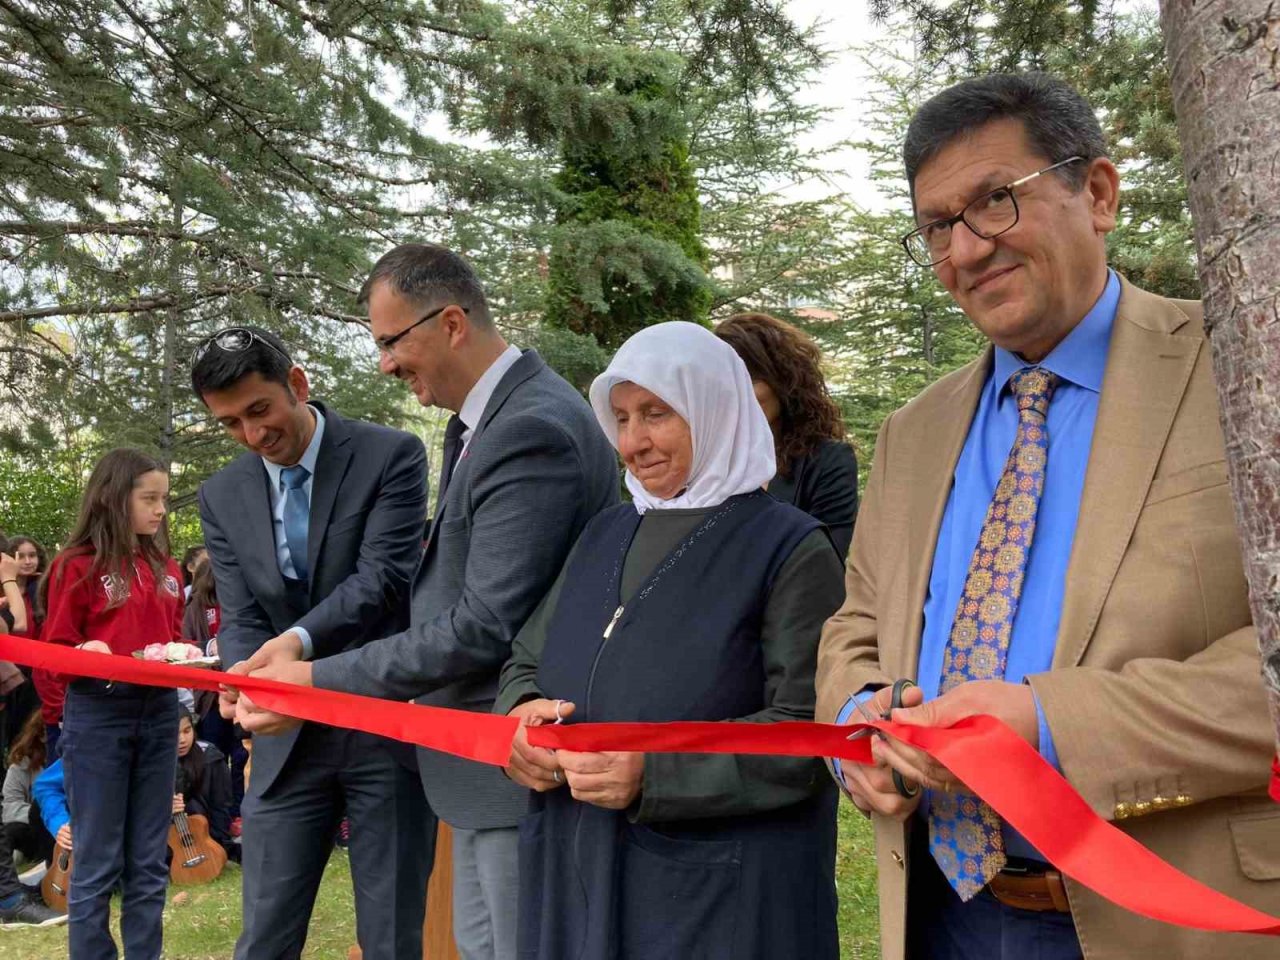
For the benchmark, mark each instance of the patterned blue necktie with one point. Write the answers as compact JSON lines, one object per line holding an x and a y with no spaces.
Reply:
{"x":964,"y":833}
{"x":297,"y":512}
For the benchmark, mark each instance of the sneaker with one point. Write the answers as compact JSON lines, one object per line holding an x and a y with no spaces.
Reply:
{"x":29,"y":913}
{"x":33,"y":875}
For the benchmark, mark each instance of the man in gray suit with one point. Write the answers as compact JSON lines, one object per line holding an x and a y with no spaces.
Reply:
{"x":525,"y":467}
{"x":314,"y":534}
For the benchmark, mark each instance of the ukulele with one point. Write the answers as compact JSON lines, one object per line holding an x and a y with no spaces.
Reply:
{"x":197,"y":857}
{"x":57,"y":880}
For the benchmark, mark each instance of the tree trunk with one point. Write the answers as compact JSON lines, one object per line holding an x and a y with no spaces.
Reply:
{"x":172,"y":317}
{"x":1224,"y":64}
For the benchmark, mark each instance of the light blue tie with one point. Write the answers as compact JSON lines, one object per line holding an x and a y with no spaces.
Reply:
{"x":297,"y":512}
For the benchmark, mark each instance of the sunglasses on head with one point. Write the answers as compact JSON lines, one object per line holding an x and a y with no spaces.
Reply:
{"x":234,"y":340}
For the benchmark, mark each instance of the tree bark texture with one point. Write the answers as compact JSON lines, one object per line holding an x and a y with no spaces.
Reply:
{"x":1224,"y":64}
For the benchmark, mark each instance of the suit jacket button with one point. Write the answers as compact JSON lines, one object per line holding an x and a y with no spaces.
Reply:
{"x":1141,"y":808}
{"x":1123,"y":811}
{"x":897,"y":858}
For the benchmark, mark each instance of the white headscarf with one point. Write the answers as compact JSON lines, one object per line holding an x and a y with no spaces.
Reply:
{"x":700,"y":377}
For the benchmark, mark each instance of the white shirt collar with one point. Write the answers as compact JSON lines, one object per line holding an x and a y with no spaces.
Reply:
{"x":473,"y":407}
{"x":309,"y":456}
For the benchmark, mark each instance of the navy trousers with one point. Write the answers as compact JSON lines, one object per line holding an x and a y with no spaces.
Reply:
{"x":942,"y":927}
{"x":288,"y":835}
{"x":120,"y":755}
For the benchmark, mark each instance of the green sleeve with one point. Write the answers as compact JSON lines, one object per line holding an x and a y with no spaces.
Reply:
{"x":518,"y":680}
{"x":808,"y":589}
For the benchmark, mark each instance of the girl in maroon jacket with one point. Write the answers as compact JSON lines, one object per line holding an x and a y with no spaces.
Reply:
{"x":114,"y":590}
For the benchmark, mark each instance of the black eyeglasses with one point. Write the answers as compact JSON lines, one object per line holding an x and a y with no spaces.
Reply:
{"x":234,"y":340}
{"x":988,"y":216}
{"x":386,"y":343}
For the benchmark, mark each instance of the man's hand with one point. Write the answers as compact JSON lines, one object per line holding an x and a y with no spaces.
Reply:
{"x":871,"y":787}
{"x":63,"y":839}
{"x":286,"y":648}
{"x":256,"y":719}
{"x":1013,"y":703}
{"x":179,"y":804}
{"x":610,"y":780}
{"x":536,"y":767}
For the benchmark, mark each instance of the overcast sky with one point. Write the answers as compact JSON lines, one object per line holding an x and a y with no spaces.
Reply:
{"x":839,"y":87}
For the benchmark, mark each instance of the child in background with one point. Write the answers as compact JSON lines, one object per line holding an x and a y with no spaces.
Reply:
{"x":22,"y":906}
{"x":27,"y":759}
{"x":32,"y":561}
{"x":114,"y":590}
{"x":204,"y":784}
{"x":202,"y":618}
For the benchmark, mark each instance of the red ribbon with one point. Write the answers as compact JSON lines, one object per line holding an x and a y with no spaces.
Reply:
{"x":997,"y":764}
{"x":1275,"y":779}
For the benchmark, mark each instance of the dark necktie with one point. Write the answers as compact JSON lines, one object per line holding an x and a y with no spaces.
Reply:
{"x":964,"y":833}
{"x":297,"y":513}
{"x":452,"y":452}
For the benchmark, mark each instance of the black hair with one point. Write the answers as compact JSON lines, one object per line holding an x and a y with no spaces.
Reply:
{"x":190,"y":773}
{"x":219,"y":369}
{"x":431,"y":276}
{"x":1059,"y":123}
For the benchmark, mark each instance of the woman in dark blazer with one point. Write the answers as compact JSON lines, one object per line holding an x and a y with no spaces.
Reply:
{"x":817,"y":470}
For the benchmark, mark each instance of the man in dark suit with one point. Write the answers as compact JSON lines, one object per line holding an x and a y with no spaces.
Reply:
{"x":525,"y":467}
{"x":314,"y":534}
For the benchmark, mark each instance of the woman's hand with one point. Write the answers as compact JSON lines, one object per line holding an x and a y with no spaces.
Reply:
{"x":94,"y":646}
{"x":179,"y":804}
{"x":609,"y":780}
{"x":8,"y":567}
{"x":63,"y":839}
{"x":536,"y":767}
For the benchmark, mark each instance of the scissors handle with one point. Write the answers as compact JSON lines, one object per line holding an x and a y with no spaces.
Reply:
{"x":900,"y":784}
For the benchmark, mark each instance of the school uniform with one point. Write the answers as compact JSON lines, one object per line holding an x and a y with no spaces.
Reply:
{"x":119,"y":753}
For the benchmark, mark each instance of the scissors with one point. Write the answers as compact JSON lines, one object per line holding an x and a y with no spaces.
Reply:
{"x":899,"y":688}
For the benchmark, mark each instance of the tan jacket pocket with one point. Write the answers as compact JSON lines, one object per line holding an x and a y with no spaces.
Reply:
{"x":1257,"y":841}
{"x":1191,"y":480}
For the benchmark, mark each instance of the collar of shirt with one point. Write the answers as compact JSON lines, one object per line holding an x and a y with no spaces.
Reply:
{"x":473,"y":407}
{"x":1081,"y":357}
{"x":309,"y":456}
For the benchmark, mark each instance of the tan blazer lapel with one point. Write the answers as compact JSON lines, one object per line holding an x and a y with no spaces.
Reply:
{"x":1148,"y":368}
{"x":932,"y":459}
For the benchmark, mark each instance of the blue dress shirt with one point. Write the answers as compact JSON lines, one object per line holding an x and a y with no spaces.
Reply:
{"x":1080,"y":360}
{"x":276,"y":487}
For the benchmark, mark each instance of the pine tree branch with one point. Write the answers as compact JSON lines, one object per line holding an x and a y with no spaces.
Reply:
{"x":165,"y":301}
{"x":51,"y":229}
{"x":236,"y":110}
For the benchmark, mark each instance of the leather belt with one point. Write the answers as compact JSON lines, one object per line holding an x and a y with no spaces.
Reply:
{"x":1031,"y":891}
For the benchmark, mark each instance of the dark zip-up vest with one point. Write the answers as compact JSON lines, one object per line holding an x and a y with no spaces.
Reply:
{"x":685,"y":646}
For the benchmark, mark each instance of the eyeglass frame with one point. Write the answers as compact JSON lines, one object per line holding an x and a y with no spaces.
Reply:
{"x":951,"y":222}
{"x":212,"y":340}
{"x":385,"y":345}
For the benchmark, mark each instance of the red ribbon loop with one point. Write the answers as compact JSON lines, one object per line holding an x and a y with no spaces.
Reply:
{"x":985,"y":754}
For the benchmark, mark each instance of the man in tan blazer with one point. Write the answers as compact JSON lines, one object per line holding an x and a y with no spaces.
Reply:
{"x":1134,"y":667}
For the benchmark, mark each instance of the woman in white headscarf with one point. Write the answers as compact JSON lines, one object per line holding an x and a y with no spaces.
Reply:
{"x":703,"y":599}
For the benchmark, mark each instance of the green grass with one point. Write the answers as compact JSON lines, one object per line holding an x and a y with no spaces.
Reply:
{"x":204,"y":924}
